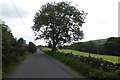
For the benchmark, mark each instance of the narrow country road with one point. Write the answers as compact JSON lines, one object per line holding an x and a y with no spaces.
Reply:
{"x":40,"y":65}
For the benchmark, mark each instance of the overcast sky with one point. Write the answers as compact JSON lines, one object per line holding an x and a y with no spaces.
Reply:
{"x":101,"y":21}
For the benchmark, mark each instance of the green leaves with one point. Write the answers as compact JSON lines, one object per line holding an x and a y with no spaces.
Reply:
{"x":31,"y":47}
{"x":59,"y":20}
{"x":112,"y":46}
{"x":11,"y":47}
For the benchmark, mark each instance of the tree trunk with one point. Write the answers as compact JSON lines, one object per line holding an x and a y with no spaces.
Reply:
{"x":89,"y":58}
{"x":54,"y":47}
{"x":55,"y":42}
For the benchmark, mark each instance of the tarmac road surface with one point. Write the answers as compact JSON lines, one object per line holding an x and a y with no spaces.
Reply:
{"x":40,"y":65}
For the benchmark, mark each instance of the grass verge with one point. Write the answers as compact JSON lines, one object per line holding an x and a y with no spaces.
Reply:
{"x":12,"y":64}
{"x":84,"y":69}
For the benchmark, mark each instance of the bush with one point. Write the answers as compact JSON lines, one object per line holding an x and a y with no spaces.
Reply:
{"x":96,"y":74}
{"x":31,"y":47}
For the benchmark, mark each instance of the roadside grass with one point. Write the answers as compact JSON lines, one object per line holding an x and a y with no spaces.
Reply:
{"x":13,"y":63}
{"x":106,"y":57}
{"x":82,"y":68}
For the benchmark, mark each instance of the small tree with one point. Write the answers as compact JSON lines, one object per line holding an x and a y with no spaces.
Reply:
{"x":32,"y":47}
{"x":91,"y":47}
{"x":59,"y":22}
{"x":21,"y":46}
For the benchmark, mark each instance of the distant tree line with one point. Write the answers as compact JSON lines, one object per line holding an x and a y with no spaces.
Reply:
{"x":110,"y":47}
{"x":13,"y":48}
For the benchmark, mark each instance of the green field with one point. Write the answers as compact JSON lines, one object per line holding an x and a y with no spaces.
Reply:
{"x":106,"y":57}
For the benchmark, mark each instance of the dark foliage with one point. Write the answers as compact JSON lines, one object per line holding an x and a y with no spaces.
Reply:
{"x":112,"y":46}
{"x":59,"y":23}
{"x":31,"y":47}
{"x":11,"y":47}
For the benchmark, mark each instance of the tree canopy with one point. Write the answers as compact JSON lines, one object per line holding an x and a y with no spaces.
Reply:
{"x":32,"y":47}
{"x":112,"y":46}
{"x":59,"y":23}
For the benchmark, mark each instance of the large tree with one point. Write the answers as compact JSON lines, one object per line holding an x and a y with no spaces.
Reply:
{"x":59,"y":23}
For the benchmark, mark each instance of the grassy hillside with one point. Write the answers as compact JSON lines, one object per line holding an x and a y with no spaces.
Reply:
{"x":99,"y":41}
{"x":106,"y":57}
